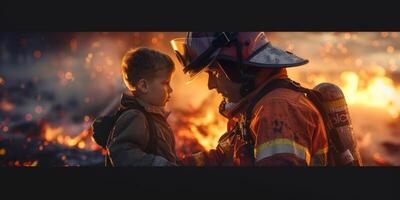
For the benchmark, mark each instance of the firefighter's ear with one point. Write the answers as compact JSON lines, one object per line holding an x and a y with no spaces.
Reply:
{"x":142,"y":86}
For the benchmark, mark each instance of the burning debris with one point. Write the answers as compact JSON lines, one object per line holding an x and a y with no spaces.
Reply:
{"x":34,"y":150}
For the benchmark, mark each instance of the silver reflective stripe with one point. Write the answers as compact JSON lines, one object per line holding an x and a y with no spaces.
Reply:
{"x":346,"y":157}
{"x":282,"y":145}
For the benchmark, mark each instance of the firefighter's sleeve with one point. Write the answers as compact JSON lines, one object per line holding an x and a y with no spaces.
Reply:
{"x":283,"y":134}
{"x":131,"y":136}
{"x":213,"y":157}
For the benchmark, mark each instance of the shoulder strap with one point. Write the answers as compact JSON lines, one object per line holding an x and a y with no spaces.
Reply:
{"x":278,"y":83}
{"x":151,"y":145}
{"x":265,"y":90}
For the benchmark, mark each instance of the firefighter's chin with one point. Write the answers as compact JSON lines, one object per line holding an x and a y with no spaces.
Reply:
{"x":226,"y":97}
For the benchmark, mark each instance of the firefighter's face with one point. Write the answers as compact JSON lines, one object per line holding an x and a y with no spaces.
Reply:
{"x":219,"y":81}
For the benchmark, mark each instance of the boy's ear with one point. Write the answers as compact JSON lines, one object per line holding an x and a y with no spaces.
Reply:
{"x":142,"y":86}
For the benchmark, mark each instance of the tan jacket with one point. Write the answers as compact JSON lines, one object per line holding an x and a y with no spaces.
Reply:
{"x":131,"y":136}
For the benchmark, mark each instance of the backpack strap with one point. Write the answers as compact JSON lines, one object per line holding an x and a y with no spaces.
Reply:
{"x":152,"y":144}
{"x":265,"y":90}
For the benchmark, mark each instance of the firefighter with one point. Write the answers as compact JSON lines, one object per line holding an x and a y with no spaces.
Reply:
{"x":280,"y":127}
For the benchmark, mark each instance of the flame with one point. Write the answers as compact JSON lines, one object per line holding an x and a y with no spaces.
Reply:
{"x":198,"y":128}
{"x":380,"y":92}
{"x":376,"y":90}
{"x":32,"y":163}
{"x":81,"y":141}
{"x":207,"y":129}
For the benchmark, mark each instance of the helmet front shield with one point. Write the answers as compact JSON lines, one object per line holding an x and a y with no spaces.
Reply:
{"x":195,"y":54}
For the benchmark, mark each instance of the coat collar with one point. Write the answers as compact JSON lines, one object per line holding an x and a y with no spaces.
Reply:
{"x":127,"y":99}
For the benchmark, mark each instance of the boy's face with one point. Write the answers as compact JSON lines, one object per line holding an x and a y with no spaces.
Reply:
{"x":158,"y":91}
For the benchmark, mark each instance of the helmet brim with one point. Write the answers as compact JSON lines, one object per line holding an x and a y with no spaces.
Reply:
{"x":270,"y":56}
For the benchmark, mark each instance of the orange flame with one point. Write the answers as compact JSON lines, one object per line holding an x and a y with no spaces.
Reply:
{"x":380,"y":92}
{"x":81,"y":141}
{"x":376,"y":90}
{"x":200,"y":126}
{"x":210,"y":123}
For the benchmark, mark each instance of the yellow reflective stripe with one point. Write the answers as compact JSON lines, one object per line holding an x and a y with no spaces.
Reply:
{"x":320,"y":158}
{"x":335,"y":103}
{"x":282,"y":145}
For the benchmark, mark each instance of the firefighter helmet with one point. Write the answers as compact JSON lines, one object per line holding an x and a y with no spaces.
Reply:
{"x":200,"y":49}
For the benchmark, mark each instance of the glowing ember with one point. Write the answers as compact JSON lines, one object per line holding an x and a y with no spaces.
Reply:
{"x":28,"y":117}
{"x":37,"y":54}
{"x":69,"y":76}
{"x":390,"y":49}
{"x":2,"y":152}
{"x":5,"y":129}
{"x":89,"y":58}
{"x":86,"y":118}
{"x":38,"y":109}
{"x":2,"y":81}
{"x":6,"y":106}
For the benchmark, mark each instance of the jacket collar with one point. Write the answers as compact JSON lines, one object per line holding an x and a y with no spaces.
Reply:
{"x":128,"y":99}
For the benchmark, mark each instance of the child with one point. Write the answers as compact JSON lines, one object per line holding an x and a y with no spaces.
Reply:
{"x":141,"y":135}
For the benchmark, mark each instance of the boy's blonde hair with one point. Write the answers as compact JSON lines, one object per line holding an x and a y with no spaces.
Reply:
{"x":143,"y":63}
